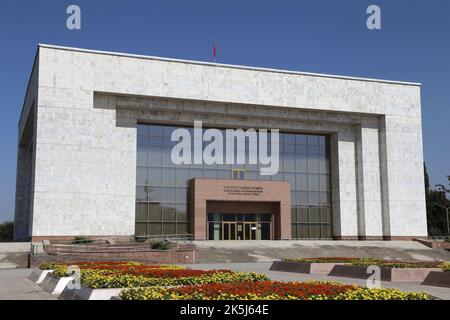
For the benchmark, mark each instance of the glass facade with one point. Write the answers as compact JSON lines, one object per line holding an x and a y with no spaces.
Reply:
{"x":162,"y":187}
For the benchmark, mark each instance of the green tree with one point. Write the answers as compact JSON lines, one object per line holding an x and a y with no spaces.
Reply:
{"x":436,"y":215}
{"x":6,"y":231}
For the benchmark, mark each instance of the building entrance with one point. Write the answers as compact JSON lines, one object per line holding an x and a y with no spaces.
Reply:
{"x":239,"y":226}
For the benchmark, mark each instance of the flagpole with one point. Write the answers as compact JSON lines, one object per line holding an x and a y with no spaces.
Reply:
{"x":214,"y":50}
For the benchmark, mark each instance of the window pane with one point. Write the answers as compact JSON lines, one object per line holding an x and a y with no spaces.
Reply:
{"x":154,"y":229}
{"x":154,"y":174}
{"x":182,"y":228}
{"x":169,"y":228}
{"x":313,"y":182}
{"x":302,"y":181}
{"x":155,"y":194}
{"x":303,"y":231}
{"x":304,"y":214}
{"x":154,"y":212}
{"x":169,"y":212}
{"x":326,"y":214}
{"x":181,"y":212}
{"x":141,"y":229}
{"x":141,"y":193}
{"x":211,"y":173}
{"x":182,"y":177}
{"x":141,"y":211}
{"x":314,"y":214}
{"x":155,"y":156}
{"x":181,"y":195}
{"x":141,"y":176}
{"x":142,"y":157}
{"x":169,"y":194}
{"x":169,"y":176}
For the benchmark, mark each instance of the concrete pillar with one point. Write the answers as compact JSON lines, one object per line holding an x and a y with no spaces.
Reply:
{"x":344,"y":203}
{"x":370,"y":224}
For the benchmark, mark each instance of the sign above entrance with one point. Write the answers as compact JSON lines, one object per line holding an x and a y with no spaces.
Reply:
{"x":243,"y":190}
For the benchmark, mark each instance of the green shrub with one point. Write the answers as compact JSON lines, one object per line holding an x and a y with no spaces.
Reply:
{"x":139,"y":239}
{"x":6,"y":231}
{"x":160,"y":245}
{"x":81,"y":240}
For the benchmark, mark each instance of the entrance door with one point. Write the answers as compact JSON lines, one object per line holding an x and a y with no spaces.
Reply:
{"x":250,"y":229}
{"x":229,"y":231}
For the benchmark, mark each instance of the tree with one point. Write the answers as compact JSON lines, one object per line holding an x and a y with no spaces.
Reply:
{"x":6,"y":231}
{"x":436,"y":215}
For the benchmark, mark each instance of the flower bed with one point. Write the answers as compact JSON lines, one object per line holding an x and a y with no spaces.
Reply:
{"x":95,"y":279}
{"x":397,"y":264}
{"x":268,"y":290}
{"x":370,"y":262}
{"x":126,"y":275}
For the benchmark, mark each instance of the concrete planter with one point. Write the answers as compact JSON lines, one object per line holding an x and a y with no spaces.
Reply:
{"x":37,"y":276}
{"x":54,"y":284}
{"x":437,"y":279}
{"x":387,"y":274}
{"x":303,"y":267}
{"x":85,"y":293}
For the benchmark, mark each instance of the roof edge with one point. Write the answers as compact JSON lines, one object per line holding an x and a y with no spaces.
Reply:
{"x":231,"y":66}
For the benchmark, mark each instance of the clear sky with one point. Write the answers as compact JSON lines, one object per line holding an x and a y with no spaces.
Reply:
{"x":323,"y":36}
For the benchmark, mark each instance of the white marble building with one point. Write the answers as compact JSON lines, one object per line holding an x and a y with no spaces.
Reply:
{"x":77,"y":148}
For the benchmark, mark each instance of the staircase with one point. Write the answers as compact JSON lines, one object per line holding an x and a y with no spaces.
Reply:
{"x":14,"y":255}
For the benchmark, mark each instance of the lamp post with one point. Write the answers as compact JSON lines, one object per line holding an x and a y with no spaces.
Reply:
{"x":446,"y":208}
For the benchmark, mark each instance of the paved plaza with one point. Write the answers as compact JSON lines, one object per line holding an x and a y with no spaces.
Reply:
{"x":14,"y":285}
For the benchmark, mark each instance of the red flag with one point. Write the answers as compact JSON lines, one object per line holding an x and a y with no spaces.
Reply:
{"x":214,"y":51}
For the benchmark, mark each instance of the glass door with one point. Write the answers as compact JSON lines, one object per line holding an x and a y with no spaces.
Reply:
{"x":250,"y":229}
{"x":229,"y":231}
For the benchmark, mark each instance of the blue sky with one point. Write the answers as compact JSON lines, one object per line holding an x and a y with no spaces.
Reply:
{"x":323,"y":36}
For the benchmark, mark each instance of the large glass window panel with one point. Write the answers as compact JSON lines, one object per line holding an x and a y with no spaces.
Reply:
{"x":304,"y":163}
